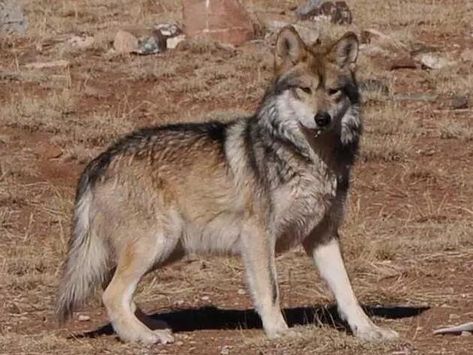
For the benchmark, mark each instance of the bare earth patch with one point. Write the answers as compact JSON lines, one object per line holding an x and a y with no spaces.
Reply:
{"x":408,"y":236}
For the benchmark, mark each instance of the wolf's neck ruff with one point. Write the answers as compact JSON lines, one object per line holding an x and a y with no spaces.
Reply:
{"x":280,"y":124}
{"x":279,"y":129}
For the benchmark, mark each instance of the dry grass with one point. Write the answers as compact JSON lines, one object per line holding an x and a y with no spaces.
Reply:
{"x":408,"y":232}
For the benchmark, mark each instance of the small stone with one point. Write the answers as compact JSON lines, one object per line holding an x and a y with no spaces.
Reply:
{"x":205,"y":298}
{"x":338,"y":12}
{"x":460,"y":102}
{"x":12,"y":17}
{"x":466,"y":334}
{"x":168,"y":29}
{"x":172,"y":34}
{"x":156,"y":43}
{"x":179,"y":343}
{"x":241,"y":291}
{"x":430,"y":61}
{"x":172,"y":42}
{"x":83,"y":318}
{"x":125,"y":42}
{"x":47,"y":65}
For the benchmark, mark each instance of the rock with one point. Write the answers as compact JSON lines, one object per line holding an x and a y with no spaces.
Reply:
{"x":304,"y":9}
{"x":466,"y":334}
{"x":47,"y":65}
{"x":430,"y":61}
{"x":125,"y":42}
{"x":338,"y":12}
{"x":83,"y":318}
{"x":168,"y":29}
{"x":172,"y":42}
{"x":221,"y":20}
{"x":81,"y":42}
{"x":156,"y":43}
{"x":172,"y":34}
{"x":12,"y":18}
{"x":374,"y":85}
{"x":459,"y":102}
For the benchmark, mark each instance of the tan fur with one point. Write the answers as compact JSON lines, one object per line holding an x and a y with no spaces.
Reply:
{"x":253,"y":187}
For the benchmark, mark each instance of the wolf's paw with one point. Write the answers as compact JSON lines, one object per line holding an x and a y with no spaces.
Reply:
{"x":146,"y":336}
{"x":282,"y":330}
{"x":164,"y":336}
{"x":374,"y":333}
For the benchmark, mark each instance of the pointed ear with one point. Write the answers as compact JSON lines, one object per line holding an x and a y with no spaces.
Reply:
{"x":290,"y":49}
{"x":345,"y":51}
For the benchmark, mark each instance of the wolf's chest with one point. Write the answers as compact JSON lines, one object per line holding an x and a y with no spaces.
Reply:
{"x":302,"y":204}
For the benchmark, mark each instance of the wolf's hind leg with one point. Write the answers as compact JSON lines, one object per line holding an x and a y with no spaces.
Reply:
{"x":328,"y":258}
{"x":135,"y":260}
{"x":258,"y":256}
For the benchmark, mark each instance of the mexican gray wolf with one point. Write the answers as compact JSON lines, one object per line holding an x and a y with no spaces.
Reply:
{"x":254,"y":186}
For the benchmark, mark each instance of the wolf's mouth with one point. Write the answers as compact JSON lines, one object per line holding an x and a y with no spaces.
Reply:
{"x":318,"y":131}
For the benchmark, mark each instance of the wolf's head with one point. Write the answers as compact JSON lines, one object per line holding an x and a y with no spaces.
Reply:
{"x":314,"y":89}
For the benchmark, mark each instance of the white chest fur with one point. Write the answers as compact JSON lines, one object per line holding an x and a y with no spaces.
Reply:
{"x":302,"y":204}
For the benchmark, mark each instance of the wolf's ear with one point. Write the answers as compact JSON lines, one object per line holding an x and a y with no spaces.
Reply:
{"x":290,"y":49}
{"x":345,"y":51}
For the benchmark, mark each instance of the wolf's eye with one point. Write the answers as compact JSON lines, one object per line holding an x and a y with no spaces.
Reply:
{"x":333,"y":92}
{"x":306,"y":89}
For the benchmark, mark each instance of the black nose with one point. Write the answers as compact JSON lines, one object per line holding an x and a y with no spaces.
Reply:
{"x":322,"y":119}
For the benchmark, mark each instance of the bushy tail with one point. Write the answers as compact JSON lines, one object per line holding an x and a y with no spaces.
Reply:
{"x":86,"y":261}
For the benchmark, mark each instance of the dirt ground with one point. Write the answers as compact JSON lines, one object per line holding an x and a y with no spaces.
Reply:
{"x":408,"y":235}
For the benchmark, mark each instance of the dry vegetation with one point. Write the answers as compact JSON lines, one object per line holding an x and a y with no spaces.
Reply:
{"x":408,"y":235}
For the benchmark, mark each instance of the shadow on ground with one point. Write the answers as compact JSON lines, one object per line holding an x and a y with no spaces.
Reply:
{"x":205,"y":318}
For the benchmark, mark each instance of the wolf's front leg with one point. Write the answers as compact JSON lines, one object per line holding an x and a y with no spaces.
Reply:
{"x":328,"y":258}
{"x":257,"y":251}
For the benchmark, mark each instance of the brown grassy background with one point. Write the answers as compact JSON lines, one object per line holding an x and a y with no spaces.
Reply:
{"x":408,"y":234}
